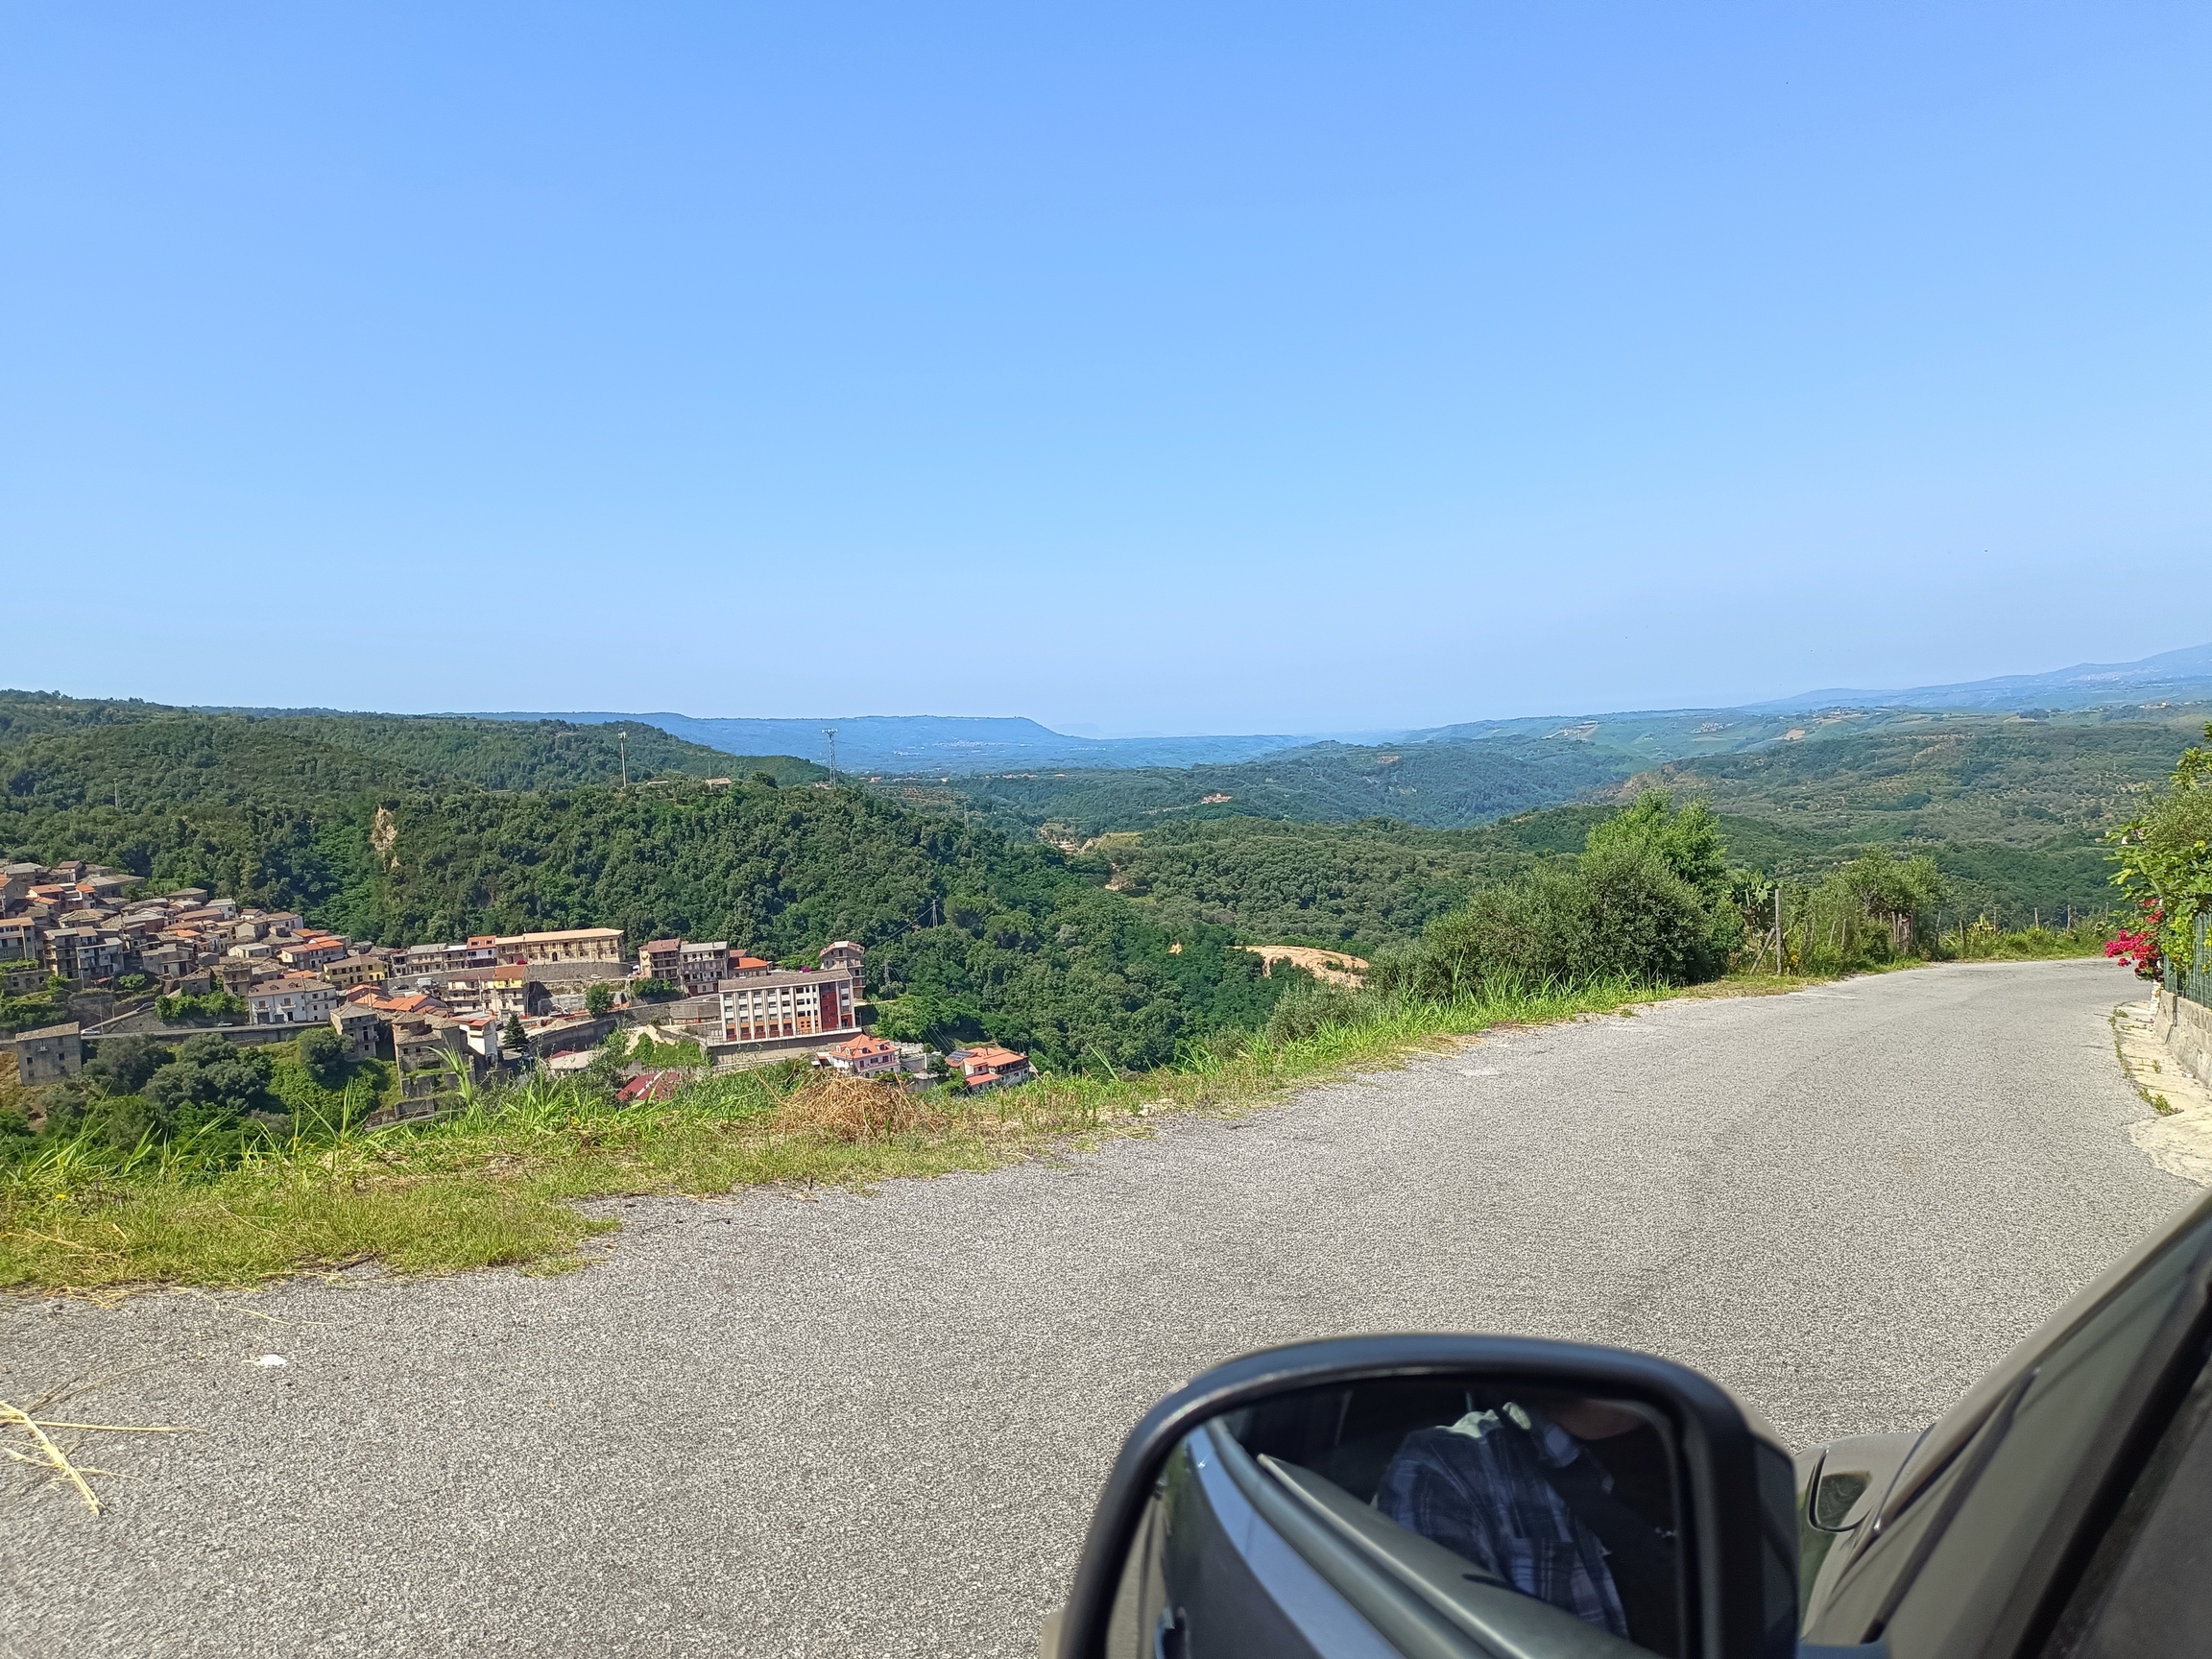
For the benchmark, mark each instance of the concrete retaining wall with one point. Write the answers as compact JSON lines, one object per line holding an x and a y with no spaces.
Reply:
{"x":2185,"y":1028}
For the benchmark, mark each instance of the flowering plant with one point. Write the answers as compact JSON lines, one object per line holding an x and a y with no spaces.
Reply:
{"x":2140,"y":949}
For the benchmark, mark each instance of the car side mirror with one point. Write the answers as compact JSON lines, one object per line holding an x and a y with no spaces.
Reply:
{"x":1440,"y":1497}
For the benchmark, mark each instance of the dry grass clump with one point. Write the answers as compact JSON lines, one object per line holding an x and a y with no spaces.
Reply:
{"x":857,"y":1109}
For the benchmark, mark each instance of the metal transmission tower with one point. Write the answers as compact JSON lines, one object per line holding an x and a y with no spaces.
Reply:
{"x":831,"y":733}
{"x":622,"y":742}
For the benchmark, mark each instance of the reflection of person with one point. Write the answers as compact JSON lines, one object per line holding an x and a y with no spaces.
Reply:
{"x":1489,"y":1489}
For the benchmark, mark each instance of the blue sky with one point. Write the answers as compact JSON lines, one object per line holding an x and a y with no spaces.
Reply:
{"x":1140,"y":368}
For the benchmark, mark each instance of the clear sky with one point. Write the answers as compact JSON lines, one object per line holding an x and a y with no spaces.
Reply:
{"x":1139,"y":367}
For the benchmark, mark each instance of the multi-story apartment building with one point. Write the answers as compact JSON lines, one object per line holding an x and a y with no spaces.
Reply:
{"x":290,"y":1000}
{"x":791,"y":1002}
{"x":569,"y":945}
{"x":82,"y":953}
{"x":700,"y":967}
{"x":656,"y":959}
{"x":845,"y":954}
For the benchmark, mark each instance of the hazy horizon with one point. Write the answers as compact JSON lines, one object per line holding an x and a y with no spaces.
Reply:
{"x":1095,"y":731}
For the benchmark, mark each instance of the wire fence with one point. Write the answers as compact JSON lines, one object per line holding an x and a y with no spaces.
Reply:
{"x":2195,"y":985}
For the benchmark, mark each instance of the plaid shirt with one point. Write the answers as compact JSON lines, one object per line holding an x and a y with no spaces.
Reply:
{"x":1479,"y":1488}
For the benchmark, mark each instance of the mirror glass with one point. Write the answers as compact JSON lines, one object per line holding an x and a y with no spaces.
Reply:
{"x":1434,"y":1513}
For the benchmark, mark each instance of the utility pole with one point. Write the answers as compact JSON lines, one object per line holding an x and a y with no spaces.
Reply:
{"x":831,"y":733}
{"x":622,"y":742}
{"x":1777,"y":930}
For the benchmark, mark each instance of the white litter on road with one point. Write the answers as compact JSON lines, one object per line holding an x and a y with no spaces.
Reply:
{"x":270,"y":1360}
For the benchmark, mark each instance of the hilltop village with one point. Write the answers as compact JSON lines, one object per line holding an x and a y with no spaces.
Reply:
{"x":186,"y":962}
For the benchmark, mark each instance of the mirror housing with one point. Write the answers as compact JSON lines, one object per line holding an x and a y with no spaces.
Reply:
{"x":1738,"y":1483}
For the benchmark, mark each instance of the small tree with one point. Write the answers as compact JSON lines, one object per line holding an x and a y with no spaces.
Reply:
{"x":322,"y":1057}
{"x":123,"y":1064}
{"x":598,"y":999}
{"x":512,"y":1034}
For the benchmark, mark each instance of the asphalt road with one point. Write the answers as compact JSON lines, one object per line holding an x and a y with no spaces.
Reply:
{"x":875,"y":1424}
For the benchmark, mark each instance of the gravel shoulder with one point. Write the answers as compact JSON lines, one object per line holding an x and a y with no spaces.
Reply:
{"x":874,"y":1424}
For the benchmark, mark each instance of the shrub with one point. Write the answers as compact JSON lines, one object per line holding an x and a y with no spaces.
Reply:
{"x":2163,"y":858}
{"x":1641,"y":921}
{"x":1304,"y":1009}
{"x":206,"y":1008}
{"x":123,"y":1064}
{"x":121,"y":1122}
{"x":1625,"y":908}
{"x":210,"y":1084}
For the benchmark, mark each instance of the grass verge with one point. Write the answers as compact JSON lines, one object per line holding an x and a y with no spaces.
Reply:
{"x":497,"y":1183}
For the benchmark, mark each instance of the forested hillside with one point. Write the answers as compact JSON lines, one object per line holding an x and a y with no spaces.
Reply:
{"x":246,"y":804}
{"x":405,"y":831}
{"x":64,"y":751}
{"x":1435,"y":786}
{"x":986,"y":904}
{"x":1350,"y":884}
{"x":2006,"y":778}
{"x":969,"y":933}
{"x":2015,"y":782}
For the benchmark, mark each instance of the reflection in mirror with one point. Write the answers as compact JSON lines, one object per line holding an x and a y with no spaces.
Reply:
{"x":1506,"y":1519}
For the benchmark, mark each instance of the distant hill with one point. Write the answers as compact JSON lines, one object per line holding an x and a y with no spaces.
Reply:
{"x":951,"y":746}
{"x":63,"y":751}
{"x":2183,"y":676}
{"x":918,"y":745}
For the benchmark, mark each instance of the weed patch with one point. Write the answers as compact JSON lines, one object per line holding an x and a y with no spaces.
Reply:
{"x":497,"y":1183}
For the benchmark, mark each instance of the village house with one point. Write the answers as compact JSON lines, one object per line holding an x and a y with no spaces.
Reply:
{"x":862,"y":1056}
{"x":311,"y":953}
{"x":290,"y":1000}
{"x":359,"y":1027}
{"x":987,"y":1066}
{"x":49,"y":1055}
{"x":361,"y":969}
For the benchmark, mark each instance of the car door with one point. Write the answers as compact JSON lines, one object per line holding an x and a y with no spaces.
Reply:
{"x":1979,"y":1544}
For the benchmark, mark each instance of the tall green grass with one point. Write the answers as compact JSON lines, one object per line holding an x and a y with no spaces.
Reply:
{"x":496,"y":1181}
{"x":1985,"y":941}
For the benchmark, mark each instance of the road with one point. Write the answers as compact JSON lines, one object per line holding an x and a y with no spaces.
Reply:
{"x":874,"y":1424}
